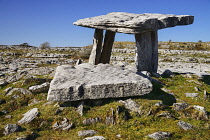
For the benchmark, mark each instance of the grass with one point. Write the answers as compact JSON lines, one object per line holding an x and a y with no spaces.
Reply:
{"x":136,"y":127}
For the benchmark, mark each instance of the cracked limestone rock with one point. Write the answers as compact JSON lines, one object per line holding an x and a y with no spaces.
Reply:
{"x":160,"y":135}
{"x":87,"y":81}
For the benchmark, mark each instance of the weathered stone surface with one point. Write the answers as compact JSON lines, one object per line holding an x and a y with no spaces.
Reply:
{"x":202,"y":111}
{"x":184,"y":125}
{"x":29,"y":116}
{"x":160,"y":135}
{"x":40,"y":88}
{"x":88,"y":81}
{"x":11,"y":128}
{"x":134,"y":23}
{"x":95,"y":138}
{"x":85,"y":133}
{"x":180,"y":106}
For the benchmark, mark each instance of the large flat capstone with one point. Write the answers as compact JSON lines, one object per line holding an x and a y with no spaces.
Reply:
{"x":87,"y":81}
{"x":134,"y":23}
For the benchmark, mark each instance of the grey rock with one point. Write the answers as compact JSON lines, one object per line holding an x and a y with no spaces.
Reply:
{"x":131,"y":105}
{"x":3,"y":82}
{"x":87,"y":81}
{"x":17,"y":90}
{"x":180,"y":106}
{"x":134,"y":23}
{"x":160,"y":135}
{"x":2,"y":101}
{"x":11,"y":128}
{"x":29,"y":116}
{"x":202,"y":111}
{"x":91,"y":121}
{"x":85,"y":133}
{"x":64,"y":125}
{"x":193,"y":95}
{"x":206,"y":94}
{"x":184,"y":125}
{"x":95,"y":138}
{"x":80,"y":108}
{"x":40,"y":88}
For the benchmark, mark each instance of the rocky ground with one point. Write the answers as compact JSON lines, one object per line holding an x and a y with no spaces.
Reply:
{"x":177,"y":108}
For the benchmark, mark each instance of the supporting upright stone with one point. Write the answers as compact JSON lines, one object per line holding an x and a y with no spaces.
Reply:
{"x":107,"y":47}
{"x":154,"y":38}
{"x":97,"y":45}
{"x":143,"y":58}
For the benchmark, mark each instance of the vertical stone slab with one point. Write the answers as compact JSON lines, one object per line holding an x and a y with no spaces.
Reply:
{"x":154,"y":38}
{"x":97,"y":46}
{"x":144,"y":50}
{"x":107,"y":47}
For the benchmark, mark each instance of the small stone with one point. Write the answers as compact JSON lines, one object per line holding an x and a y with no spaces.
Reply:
{"x":21,"y":138}
{"x":160,"y":135}
{"x":29,"y":116}
{"x":193,"y":95}
{"x":206,"y":94}
{"x":11,"y":128}
{"x":180,"y":106}
{"x":34,"y":101}
{"x":184,"y":125}
{"x":85,"y":133}
{"x":79,"y":61}
{"x":95,"y":138}
{"x":8,"y":116}
{"x":18,"y":90}
{"x":91,"y":121}
{"x":118,"y":135}
{"x":202,"y":111}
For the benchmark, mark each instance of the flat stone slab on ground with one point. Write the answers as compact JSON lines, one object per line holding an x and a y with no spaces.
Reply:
{"x":134,"y":23}
{"x":88,"y":81}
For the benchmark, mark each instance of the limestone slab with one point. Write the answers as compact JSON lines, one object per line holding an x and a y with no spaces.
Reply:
{"x":87,"y":81}
{"x":134,"y":23}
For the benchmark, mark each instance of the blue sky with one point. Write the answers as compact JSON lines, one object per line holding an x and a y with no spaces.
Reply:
{"x":38,"y":21}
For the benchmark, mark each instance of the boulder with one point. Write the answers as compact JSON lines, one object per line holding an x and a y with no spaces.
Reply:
{"x":134,"y":23}
{"x":11,"y":128}
{"x":87,"y":81}
{"x":29,"y":116}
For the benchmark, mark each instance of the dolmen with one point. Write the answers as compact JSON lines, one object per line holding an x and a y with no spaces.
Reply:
{"x":143,"y":26}
{"x":98,"y":79}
